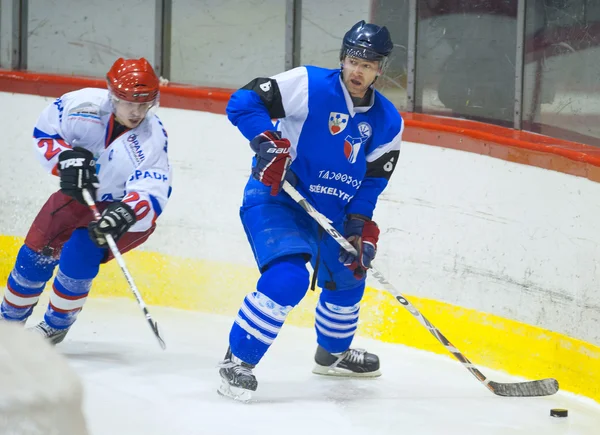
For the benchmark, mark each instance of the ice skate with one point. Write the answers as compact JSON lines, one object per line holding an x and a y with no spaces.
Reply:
{"x":18,"y":322}
{"x":352,"y":363}
{"x":53,"y":335}
{"x":237,"y":380}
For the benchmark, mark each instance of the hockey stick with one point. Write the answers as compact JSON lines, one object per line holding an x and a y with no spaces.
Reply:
{"x":117,"y":254}
{"x":542,"y":387}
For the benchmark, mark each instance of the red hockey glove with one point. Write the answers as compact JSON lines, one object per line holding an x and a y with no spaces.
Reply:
{"x":272,"y":159}
{"x":363,"y":234}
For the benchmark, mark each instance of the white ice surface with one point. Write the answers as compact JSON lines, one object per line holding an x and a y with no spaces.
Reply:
{"x":133,"y":387}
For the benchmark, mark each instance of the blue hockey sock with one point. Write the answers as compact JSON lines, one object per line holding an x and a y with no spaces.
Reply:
{"x":79,"y":264}
{"x":26,"y":283}
{"x":336,"y":318}
{"x":280,"y":288}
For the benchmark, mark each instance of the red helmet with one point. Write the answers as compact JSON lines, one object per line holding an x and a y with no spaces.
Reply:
{"x":133,"y":80}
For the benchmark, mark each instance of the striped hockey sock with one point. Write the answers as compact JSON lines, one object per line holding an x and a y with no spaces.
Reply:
{"x":335,"y":325}
{"x":257,"y":324}
{"x":67,"y":299}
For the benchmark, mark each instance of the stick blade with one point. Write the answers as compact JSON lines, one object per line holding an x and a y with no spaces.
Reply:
{"x":157,"y":334}
{"x":543,"y":387}
{"x":161,"y":342}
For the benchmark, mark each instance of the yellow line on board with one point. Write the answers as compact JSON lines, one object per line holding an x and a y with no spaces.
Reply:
{"x":487,"y":340}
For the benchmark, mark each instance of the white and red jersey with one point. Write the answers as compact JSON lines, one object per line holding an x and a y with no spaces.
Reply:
{"x":133,"y":168}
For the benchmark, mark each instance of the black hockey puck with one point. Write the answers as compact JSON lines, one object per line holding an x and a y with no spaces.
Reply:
{"x":559,"y":412}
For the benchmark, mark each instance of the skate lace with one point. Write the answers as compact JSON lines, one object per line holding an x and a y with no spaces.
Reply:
{"x":238,"y":369}
{"x":356,"y":356}
{"x":47,"y":329}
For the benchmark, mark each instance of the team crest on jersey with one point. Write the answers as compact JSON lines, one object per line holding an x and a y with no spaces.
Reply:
{"x":337,"y":122}
{"x":365,"y":130}
{"x":352,"y":148}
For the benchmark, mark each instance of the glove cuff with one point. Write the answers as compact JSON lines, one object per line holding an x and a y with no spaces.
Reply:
{"x":131,"y":219}
{"x":361,"y":217}
{"x":370,"y":233}
{"x":265,"y":136}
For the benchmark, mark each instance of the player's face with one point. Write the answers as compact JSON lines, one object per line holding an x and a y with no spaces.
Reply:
{"x":131,"y":114}
{"x":359,"y":74}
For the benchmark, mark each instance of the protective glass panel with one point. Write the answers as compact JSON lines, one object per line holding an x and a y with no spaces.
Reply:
{"x":89,"y":41}
{"x":226,"y":43}
{"x":325,"y":23}
{"x":394,"y":15}
{"x":465,"y":64}
{"x":562,"y":69}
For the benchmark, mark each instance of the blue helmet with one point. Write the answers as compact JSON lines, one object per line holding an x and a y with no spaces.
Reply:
{"x":367,"y":41}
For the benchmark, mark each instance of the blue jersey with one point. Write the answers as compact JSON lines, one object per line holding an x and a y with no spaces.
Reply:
{"x":343,"y":156}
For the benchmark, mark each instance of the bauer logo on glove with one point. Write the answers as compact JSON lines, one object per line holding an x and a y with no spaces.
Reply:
{"x":272,"y":159}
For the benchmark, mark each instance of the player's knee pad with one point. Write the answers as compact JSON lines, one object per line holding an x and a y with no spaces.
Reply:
{"x":80,"y":257}
{"x":26,"y":283}
{"x":34,"y":266}
{"x":29,"y":276}
{"x":285,"y":281}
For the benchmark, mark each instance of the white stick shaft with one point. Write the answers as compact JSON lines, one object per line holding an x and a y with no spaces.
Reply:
{"x":326,"y":224}
{"x":121,"y":262}
{"x":114,"y":249}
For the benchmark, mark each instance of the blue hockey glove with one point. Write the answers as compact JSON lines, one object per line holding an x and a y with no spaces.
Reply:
{"x":272,"y":159}
{"x":363,"y":234}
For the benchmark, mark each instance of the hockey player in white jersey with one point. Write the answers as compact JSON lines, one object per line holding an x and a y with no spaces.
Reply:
{"x":110,"y":143}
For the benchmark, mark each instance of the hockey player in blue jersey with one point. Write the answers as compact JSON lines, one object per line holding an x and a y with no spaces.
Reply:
{"x":337,"y":140}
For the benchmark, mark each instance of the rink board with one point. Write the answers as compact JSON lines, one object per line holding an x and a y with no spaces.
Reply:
{"x":488,"y":340}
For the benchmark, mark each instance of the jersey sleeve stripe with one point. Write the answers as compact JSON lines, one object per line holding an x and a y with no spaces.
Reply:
{"x":155,"y":205}
{"x":38,"y":134}
{"x":393,"y":145}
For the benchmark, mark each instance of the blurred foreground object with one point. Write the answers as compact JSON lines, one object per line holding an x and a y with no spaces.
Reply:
{"x":39,"y":392}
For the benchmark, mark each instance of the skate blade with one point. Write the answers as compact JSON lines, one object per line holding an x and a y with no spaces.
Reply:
{"x":235,"y":393}
{"x":343,"y":373}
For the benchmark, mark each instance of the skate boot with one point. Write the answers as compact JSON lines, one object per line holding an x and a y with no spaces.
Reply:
{"x":18,"y":322}
{"x":53,"y":335}
{"x":237,"y":380}
{"x":352,"y":363}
